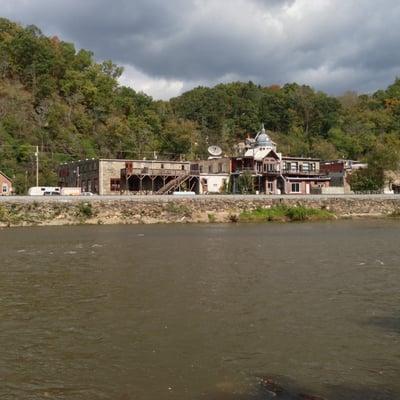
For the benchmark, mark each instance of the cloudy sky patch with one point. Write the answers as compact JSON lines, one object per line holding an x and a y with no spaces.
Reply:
{"x":170,"y":46}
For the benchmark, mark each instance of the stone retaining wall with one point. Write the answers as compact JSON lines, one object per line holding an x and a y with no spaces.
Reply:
{"x":177,"y":210}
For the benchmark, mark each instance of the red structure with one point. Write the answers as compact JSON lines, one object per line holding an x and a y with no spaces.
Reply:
{"x":5,"y":185}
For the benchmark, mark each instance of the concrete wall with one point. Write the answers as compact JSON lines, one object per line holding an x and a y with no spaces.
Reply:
{"x":333,"y":190}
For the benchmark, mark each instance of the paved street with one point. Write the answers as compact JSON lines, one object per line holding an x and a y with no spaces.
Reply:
{"x":155,"y":198}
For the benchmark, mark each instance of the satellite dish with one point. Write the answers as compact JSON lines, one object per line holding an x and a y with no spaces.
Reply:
{"x":215,"y":151}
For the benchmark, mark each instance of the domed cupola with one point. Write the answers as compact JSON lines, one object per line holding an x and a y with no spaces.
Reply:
{"x":262,"y":139}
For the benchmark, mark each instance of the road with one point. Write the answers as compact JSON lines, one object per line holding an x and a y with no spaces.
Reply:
{"x":166,"y":198}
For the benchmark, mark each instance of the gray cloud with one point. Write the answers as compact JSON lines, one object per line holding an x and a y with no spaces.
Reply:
{"x":329,"y":44}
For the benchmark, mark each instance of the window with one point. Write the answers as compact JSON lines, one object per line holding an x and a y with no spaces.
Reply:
{"x":115,"y":185}
{"x":162,"y":166}
{"x":295,"y":187}
{"x":5,"y":188}
{"x":182,"y":167}
{"x":210,"y":169}
{"x":201,"y":168}
{"x":306,"y":167}
{"x":219,"y":167}
{"x":270,"y":186}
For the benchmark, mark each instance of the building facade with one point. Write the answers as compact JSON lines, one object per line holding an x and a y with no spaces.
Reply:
{"x":213,"y":173}
{"x":264,"y":169}
{"x":339,"y":171}
{"x":273,"y":173}
{"x":157,"y":177}
{"x":116,"y":176}
{"x":5,"y":185}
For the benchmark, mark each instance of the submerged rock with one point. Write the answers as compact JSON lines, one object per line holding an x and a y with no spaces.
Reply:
{"x":271,"y":386}
{"x":304,"y":396}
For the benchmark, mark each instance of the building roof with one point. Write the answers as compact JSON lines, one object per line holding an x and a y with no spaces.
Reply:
{"x":300,"y":158}
{"x":259,"y":153}
{"x":124,"y":160}
{"x":262,"y":138}
{"x":260,"y":146}
{"x":5,"y":176}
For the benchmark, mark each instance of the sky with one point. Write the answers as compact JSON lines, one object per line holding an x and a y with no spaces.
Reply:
{"x":170,"y":46}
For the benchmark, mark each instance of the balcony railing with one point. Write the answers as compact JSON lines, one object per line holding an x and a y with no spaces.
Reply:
{"x":156,"y":172}
{"x":300,"y":172}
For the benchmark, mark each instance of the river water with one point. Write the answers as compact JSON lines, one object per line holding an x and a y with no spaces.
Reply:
{"x":200,"y":311}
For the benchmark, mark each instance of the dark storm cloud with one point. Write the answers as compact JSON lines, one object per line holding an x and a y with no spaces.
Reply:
{"x":330,"y":44}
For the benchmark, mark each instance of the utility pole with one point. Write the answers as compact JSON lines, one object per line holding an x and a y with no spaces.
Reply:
{"x":37,"y":165}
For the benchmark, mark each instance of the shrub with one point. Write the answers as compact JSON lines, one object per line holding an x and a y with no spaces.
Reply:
{"x":85,"y":210}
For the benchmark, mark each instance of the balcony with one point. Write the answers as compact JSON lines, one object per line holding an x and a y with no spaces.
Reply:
{"x":300,"y":172}
{"x":156,"y":172}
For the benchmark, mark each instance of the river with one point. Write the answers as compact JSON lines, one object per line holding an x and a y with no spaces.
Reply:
{"x":200,"y":311}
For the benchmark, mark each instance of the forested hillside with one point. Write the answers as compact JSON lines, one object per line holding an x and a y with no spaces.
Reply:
{"x":57,"y":97}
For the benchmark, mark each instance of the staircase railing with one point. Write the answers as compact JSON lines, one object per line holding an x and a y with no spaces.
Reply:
{"x":173,"y":185}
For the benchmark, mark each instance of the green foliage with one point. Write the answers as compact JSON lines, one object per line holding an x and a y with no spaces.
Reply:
{"x":85,"y":210}
{"x":366,"y":180}
{"x":211,"y":218}
{"x":246,"y":183}
{"x":385,"y":157}
{"x":285,"y":213}
{"x":60,"y":99}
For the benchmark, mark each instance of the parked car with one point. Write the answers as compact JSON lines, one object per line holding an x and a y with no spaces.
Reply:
{"x":87,"y":194}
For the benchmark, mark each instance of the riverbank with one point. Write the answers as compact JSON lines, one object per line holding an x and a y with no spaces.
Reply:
{"x":200,"y":209}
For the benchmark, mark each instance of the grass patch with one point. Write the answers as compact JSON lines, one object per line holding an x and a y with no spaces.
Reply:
{"x":285,"y":213}
{"x":211,"y":218}
{"x":178,"y":209}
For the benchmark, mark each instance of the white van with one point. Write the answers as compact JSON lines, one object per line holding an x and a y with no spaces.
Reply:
{"x":44,"y":191}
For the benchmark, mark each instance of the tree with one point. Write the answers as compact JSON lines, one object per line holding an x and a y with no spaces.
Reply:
{"x":384,"y":158}
{"x":246,"y":183}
